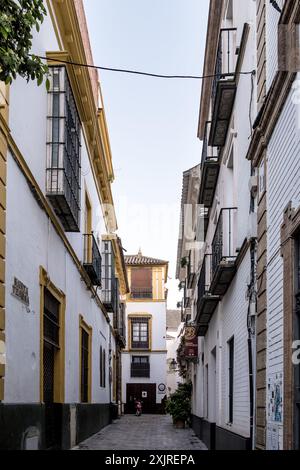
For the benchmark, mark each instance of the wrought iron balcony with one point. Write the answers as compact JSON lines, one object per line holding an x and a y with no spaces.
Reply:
{"x":210,"y":167}
{"x":207,"y":302}
{"x":92,"y":259}
{"x":224,"y":86}
{"x":223,"y":252}
{"x":187,"y":297}
{"x":140,"y":370}
{"x":141,"y":293}
{"x":190,"y":271}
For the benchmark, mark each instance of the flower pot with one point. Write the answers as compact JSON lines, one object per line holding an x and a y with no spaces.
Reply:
{"x":179,"y":423}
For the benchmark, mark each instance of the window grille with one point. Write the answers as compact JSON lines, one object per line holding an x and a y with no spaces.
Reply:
{"x":63,"y":173}
{"x":140,"y":366}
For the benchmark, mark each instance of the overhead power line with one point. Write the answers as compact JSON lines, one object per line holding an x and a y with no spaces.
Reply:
{"x":137,"y":72}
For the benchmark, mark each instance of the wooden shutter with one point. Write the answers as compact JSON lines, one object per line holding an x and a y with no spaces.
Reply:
{"x":141,"y":277}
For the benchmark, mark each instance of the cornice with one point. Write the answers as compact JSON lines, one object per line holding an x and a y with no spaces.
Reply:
{"x":65,"y":14}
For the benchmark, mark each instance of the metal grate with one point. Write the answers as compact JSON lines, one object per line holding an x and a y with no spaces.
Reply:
{"x":226,"y":58}
{"x":92,"y":259}
{"x":223,"y":242}
{"x":140,"y":366}
{"x":63,"y":150}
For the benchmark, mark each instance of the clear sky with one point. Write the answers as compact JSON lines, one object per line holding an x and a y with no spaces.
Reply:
{"x":152,"y":122}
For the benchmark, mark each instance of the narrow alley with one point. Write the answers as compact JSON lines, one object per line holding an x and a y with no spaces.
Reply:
{"x":147,"y":432}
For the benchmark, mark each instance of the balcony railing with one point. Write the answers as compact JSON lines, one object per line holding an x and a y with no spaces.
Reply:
{"x":210,"y":170}
{"x":140,"y":370}
{"x":224,"y":251}
{"x":224,"y":86}
{"x":226,"y":58}
{"x":92,"y":259}
{"x":204,"y":278}
{"x":207,"y":302}
{"x":141,"y":293}
{"x":209,"y":154}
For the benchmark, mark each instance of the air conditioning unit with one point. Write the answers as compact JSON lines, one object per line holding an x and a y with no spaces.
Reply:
{"x":253,"y":185}
{"x":252,"y":225}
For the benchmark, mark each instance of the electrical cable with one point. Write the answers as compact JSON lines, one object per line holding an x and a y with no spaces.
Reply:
{"x":136,"y":72}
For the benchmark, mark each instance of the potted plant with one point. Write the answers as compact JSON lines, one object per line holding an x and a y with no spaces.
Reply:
{"x":179,"y":405}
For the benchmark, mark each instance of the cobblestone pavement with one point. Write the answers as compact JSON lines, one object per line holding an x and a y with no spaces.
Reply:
{"x":147,"y":432}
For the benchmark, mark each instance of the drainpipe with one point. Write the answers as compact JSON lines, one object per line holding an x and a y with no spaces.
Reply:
{"x":251,"y":332}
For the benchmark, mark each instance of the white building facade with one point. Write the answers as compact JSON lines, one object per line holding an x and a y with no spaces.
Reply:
{"x":144,"y":360}
{"x":274,"y":152}
{"x":174,"y":334}
{"x":63,"y":325}
{"x":218,"y":264}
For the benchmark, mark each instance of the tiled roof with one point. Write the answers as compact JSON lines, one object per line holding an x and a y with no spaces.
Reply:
{"x":140,"y":260}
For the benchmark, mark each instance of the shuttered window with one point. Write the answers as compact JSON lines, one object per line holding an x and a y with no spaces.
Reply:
{"x":141,"y":283}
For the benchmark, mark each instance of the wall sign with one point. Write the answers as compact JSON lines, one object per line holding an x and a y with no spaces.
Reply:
{"x":161,"y":388}
{"x":190,"y":343}
{"x":20,"y":291}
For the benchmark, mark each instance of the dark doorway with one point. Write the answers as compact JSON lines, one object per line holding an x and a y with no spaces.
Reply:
{"x":144,"y":392}
{"x":50,"y":352}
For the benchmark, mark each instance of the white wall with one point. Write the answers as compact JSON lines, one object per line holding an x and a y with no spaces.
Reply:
{"x":282,"y":179}
{"x":272,"y":19}
{"x":158,"y":360}
{"x":32,"y":242}
{"x":230,"y":317}
{"x":173,"y":341}
{"x":158,"y":312}
{"x":157,"y":372}
{"x":38,"y":246}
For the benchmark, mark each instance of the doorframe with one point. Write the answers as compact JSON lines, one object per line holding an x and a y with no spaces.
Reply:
{"x":89,"y":330}
{"x":59,"y":364}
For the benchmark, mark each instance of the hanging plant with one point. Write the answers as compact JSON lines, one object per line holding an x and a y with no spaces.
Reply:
{"x":184,"y":262}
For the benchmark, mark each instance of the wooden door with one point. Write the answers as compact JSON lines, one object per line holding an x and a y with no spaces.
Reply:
{"x":144,"y":392}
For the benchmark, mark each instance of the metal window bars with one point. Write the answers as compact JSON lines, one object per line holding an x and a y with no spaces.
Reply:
{"x":92,"y":259}
{"x":223,"y":246}
{"x":63,"y":172}
{"x":226,"y":58}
